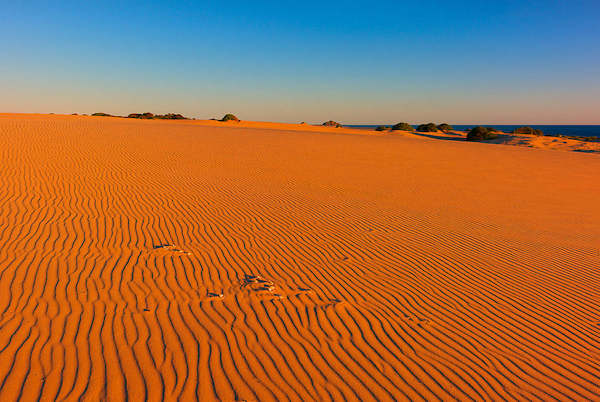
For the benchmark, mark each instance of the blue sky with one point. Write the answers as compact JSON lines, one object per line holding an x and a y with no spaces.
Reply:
{"x":355,"y":62}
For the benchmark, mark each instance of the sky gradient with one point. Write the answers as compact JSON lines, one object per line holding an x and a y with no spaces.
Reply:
{"x":512,"y":62}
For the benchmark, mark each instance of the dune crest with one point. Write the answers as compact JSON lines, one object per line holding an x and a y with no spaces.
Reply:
{"x":157,"y":260}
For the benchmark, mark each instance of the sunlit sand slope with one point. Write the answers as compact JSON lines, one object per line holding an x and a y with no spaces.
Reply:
{"x":162,"y":260}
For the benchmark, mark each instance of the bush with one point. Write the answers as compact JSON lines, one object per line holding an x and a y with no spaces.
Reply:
{"x":101,"y":114}
{"x":527,"y":130}
{"x":402,"y":127}
{"x":427,"y":128}
{"x":491,"y":129}
{"x":445,"y":127}
{"x":381,"y":128}
{"x":576,"y":137}
{"x":229,"y":117}
{"x":170,"y":116}
{"x":480,"y":133}
{"x":332,"y":123}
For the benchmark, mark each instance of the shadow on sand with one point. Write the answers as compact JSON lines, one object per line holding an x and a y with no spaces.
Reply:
{"x":587,"y":151}
{"x":460,"y":137}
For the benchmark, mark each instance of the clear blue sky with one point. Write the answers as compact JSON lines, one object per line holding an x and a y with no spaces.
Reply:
{"x":487,"y":61}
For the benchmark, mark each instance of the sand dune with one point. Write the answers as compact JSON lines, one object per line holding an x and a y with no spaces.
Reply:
{"x":522,"y":140}
{"x":167,"y":260}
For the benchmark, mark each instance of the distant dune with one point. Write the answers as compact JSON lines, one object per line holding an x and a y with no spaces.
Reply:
{"x":206,"y":260}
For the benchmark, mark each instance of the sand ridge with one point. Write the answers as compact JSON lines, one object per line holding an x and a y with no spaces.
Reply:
{"x":159,"y":260}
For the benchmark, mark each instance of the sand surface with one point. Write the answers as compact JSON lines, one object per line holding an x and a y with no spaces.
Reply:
{"x":522,"y":140}
{"x":202,"y":261}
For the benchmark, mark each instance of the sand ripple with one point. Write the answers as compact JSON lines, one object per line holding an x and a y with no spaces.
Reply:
{"x":173,"y":260}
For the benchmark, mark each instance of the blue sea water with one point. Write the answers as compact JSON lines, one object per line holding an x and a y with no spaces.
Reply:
{"x":574,"y":130}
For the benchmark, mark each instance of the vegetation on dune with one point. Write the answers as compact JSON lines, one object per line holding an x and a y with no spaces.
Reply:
{"x":168,"y":116}
{"x":527,"y":130}
{"x":230,"y":117}
{"x":101,"y":114}
{"x":402,"y":127}
{"x":480,"y":133}
{"x":444,"y":127}
{"x":146,"y":115}
{"x":171,"y":116}
{"x":332,"y":123}
{"x":427,"y":128}
{"x":381,"y":128}
{"x":576,"y":137}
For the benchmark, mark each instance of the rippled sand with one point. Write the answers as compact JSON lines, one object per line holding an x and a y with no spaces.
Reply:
{"x":256,"y":261}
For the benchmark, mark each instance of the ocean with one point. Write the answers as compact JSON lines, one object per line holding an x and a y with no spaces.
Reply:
{"x":574,"y":130}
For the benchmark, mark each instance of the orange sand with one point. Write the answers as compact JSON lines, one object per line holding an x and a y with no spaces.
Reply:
{"x":524,"y":140}
{"x":257,"y":261}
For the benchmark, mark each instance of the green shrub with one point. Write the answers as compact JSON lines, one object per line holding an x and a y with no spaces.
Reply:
{"x":445,"y":127}
{"x":101,"y":114}
{"x":332,"y":123}
{"x":576,"y":137}
{"x":170,"y":116}
{"x":381,"y":128}
{"x":229,"y":117}
{"x":527,"y":130}
{"x":480,"y":133}
{"x":427,"y":128}
{"x":402,"y":127}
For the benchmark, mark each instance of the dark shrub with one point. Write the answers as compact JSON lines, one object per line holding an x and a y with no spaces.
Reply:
{"x":427,"y":128}
{"x":146,"y":115}
{"x":445,"y":127}
{"x":229,"y":117}
{"x":101,"y":114}
{"x":491,"y":129}
{"x":332,"y":123}
{"x":170,"y":116}
{"x":528,"y":130}
{"x":381,"y":128}
{"x":402,"y":127}
{"x":480,"y":133}
{"x":576,"y":137}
